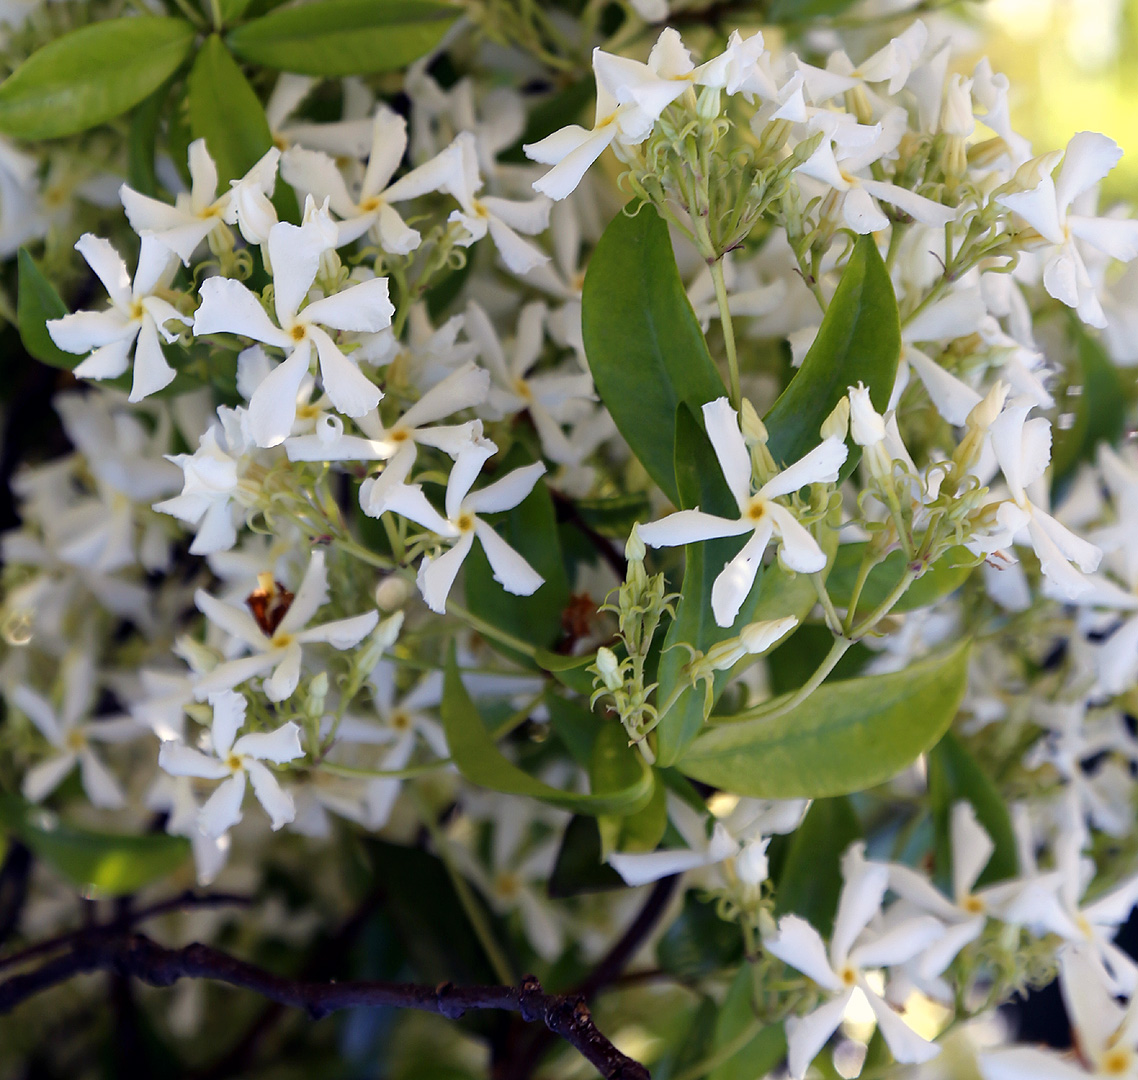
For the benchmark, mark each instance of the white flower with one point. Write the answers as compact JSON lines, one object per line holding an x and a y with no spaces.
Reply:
{"x":759,"y":513}
{"x":136,"y":317}
{"x":1047,"y":209}
{"x":348,"y":137}
{"x":212,"y":482}
{"x":462,"y":524}
{"x":174,"y":797}
{"x":316,"y":174}
{"x":276,"y":640}
{"x":840,"y":970}
{"x":70,"y":735}
{"x":233,"y":762}
{"x":502,"y":218}
{"x":195,"y":214}
{"x":630,"y":98}
{"x":1104,"y":1032}
{"x":229,"y":307}
{"x":552,"y":398}
{"x":847,"y":149}
{"x":1023,"y":450}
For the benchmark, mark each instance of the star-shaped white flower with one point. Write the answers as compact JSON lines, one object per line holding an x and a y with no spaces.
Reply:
{"x":234,"y":763}
{"x":196,"y":213}
{"x":135,"y":319}
{"x":759,"y":513}
{"x":840,"y":970}
{"x":229,"y":307}
{"x":275,"y":640}
{"x":1047,"y":209}
{"x":462,"y":524}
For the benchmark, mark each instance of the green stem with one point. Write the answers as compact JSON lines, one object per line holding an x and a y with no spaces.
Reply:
{"x":866,"y":568}
{"x":488,"y":630}
{"x":353,"y":772}
{"x":832,"y":620}
{"x":886,"y":605}
{"x":728,"y":332}
{"x":724,"y":1054}
{"x":470,"y":905}
{"x":781,"y":706}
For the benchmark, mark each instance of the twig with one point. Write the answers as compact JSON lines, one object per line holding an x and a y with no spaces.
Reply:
{"x":139,"y":957}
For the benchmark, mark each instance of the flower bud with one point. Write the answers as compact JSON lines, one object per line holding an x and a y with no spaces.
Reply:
{"x":956,"y":107}
{"x":837,"y":424}
{"x":708,"y":106}
{"x":608,"y":667}
{"x":754,"y":430}
{"x":985,"y":412}
{"x":757,"y":637}
{"x":751,"y":864}
{"x":866,"y":424}
{"x":391,"y":593}
{"x":634,"y":549}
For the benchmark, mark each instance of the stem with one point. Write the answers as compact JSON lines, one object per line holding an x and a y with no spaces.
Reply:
{"x":728,"y":332}
{"x":487,"y":630}
{"x":470,"y":906}
{"x":832,"y":620}
{"x":725,"y":1053}
{"x":886,"y":605}
{"x":866,"y":568}
{"x":781,"y":706}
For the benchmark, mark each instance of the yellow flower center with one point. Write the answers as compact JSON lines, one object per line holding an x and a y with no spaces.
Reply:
{"x":1117,"y":1062}
{"x":849,"y":976}
{"x":465,"y":522}
{"x":75,"y":740}
{"x":372,"y":202}
{"x":973,"y":904}
{"x":297,"y":333}
{"x":233,"y":762}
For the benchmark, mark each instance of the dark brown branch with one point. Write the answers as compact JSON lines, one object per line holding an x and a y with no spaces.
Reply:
{"x":137,"y":956}
{"x":188,"y":899}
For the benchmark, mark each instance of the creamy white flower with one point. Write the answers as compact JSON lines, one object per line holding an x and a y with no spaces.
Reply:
{"x":278,"y":647}
{"x":370,"y":209}
{"x":174,"y":797}
{"x":196,"y":213}
{"x":135,"y":319}
{"x":1023,"y":450}
{"x":348,"y":137}
{"x":461,"y":524}
{"x":1046,"y":207}
{"x":759,"y":513}
{"x":235,"y":762}
{"x":504,"y":219}
{"x":840,"y":969}
{"x":70,"y":733}
{"x":229,"y":307}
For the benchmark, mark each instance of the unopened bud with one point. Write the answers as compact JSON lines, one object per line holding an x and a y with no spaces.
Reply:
{"x":317,"y":694}
{"x":986,"y":411}
{"x":634,"y":549}
{"x":837,"y":424}
{"x":708,"y":106}
{"x":866,"y":424}
{"x":391,"y":593}
{"x":754,"y":430}
{"x":757,"y":637}
{"x":608,"y":667}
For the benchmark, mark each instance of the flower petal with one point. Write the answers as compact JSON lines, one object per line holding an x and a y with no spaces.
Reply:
{"x":272,"y":408}
{"x":722,"y":423}
{"x":1089,"y":157}
{"x":801,"y":946}
{"x":222,"y":810}
{"x":228,"y":307}
{"x":101,"y":787}
{"x":42,"y":779}
{"x":511,"y":571}
{"x":365,"y":308}
{"x":506,"y":493}
{"x":278,"y":803}
{"x":180,"y":760}
{"x":689,"y":527}
{"x":349,"y":389}
{"x":806,"y":1035}
{"x":907,"y":1047}
{"x":232,"y":619}
{"x":228,"y":718}
{"x":342,"y":633}
{"x":436,"y":576}
{"x":277,"y":746}
{"x":735,"y":581}
{"x":284,"y":680}
{"x":151,"y":370}
{"x":310,"y":597}
{"x":820,"y":466}
{"x":108,"y":266}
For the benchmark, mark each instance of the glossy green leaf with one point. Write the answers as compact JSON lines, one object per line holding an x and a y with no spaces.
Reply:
{"x":478,"y":758}
{"x":614,"y":765}
{"x":570,"y":671}
{"x":579,"y":868}
{"x":574,"y":725}
{"x":232,"y":10}
{"x":946,"y":575}
{"x":344,"y":37}
{"x":1099,"y":409}
{"x":91,"y":75}
{"x":796,"y":11}
{"x":142,"y":143}
{"x":697,"y":941}
{"x":847,"y":736}
{"x":97,"y":863}
{"x":36,"y":303}
{"x":531,"y":530}
{"x":859,"y":341}
{"x":955,"y":775}
{"x":810,"y":877}
{"x":759,"y":1055}
{"x":643,"y":341}
{"x":225,"y":111}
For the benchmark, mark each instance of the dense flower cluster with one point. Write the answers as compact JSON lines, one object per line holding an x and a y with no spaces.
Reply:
{"x":346,"y":421}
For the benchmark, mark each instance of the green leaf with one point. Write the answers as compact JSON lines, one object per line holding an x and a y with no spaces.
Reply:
{"x":91,"y":75}
{"x":955,"y":775}
{"x":946,"y":575}
{"x":643,"y":341}
{"x":97,"y":863}
{"x":615,"y":515}
{"x":698,"y":942}
{"x":36,"y":303}
{"x":225,"y":111}
{"x":847,"y":736}
{"x":1100,"y":409}
{"x":142,"y":144}
{"x":482,"y":763}
{"x":795,"y":11}
{"x":231,"y":10}
{"x":759,"y":1055}
{"x":567,"y":670}
{"x":531,"y":530}
{"x":615,"y":765}
{"x":859,"y":341}
{"x":575,"y":726}
{"x":810,"y":878}
{"x":798,"y":655}
{"x":579,"y":868}
{"x":344,"y":37}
